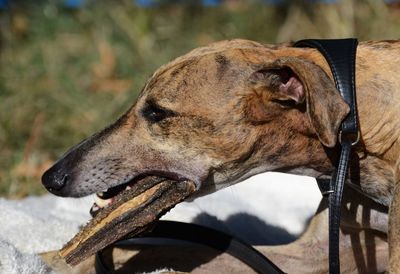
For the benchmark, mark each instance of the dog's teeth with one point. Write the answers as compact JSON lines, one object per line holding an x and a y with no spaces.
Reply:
{"x":95,"y":207}
{"x":102,"y":202}
{"x":94,"y":210}
{"x":128,"y":187}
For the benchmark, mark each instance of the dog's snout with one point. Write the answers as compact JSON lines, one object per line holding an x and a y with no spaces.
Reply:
{"x":54,"y":180}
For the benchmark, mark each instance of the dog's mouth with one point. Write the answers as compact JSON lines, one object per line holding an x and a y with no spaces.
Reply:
{"x":104,"y":199}
{"x":107,"y":197}
{"x":128,"y":209}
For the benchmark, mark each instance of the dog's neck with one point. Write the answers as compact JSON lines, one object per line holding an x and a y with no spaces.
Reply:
{"x":378,"y":101}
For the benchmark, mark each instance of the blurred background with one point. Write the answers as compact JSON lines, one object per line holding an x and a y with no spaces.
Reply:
{"x":69,"y":68}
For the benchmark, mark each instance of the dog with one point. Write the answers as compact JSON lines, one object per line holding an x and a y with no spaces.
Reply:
{"x":236,"y":108}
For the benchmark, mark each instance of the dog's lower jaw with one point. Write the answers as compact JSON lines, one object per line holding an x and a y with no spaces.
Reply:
{"x":306,"y":171}
{"x":220,"y":179}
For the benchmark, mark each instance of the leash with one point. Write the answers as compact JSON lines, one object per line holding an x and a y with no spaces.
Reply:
{"x":340,"y":55}
{"x":193,"y":235}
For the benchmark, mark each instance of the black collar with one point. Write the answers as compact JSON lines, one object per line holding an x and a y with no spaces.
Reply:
{"x":341,"y":57}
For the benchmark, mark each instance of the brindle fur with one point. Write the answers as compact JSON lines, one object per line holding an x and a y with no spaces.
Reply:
{"x":227,"y":120}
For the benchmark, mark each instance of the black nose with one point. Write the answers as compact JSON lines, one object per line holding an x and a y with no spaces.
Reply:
{"x":55,"y":179}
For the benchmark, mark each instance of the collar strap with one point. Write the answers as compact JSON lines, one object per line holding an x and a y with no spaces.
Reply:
{"x":340,"y":55}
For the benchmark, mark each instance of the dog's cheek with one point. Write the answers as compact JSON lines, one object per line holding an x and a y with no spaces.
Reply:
{"x":200,"y":143}
{"x":187,"y":161}
{"x":186,"y":131}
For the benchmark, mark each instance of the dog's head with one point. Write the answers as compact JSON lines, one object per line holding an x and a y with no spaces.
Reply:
{"x":214,"y":116}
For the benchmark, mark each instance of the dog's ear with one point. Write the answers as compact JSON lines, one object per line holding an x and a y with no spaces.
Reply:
{"x":298,"y":80}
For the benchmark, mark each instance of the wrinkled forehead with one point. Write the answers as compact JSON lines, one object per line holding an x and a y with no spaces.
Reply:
{"x":188,"y":78}
{"x":213,"y":77}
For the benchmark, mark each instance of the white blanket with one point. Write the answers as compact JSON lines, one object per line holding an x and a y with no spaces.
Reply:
{"x":269,"y":208}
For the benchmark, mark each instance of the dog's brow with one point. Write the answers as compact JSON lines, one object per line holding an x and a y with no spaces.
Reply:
{"x":154,"y":105}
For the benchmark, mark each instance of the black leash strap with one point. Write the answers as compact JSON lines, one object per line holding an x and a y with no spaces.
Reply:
{"x":196,"y":234}
{"x":340,"y":55}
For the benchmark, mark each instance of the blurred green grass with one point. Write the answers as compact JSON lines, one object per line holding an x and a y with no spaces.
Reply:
{"x":65,"y":74}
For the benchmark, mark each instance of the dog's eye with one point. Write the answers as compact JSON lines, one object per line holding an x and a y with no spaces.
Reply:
{"x":155,"y":113}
